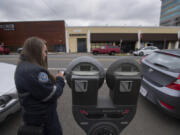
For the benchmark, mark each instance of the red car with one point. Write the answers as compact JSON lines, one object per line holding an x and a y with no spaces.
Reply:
{"x":4,"y":50}
{"x":111,"y":50}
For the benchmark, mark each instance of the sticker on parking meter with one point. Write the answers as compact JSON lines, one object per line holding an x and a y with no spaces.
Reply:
{"x":126,"y":86}
{"x":81,"y":85}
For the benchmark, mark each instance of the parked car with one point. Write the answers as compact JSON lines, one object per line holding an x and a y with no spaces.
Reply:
{"x":19,"y":50}
{"x":111,"y":50}
{"x":161,"y":80}
{"x":145,"y":51}
{"x":9,"y":103}
{"x":4,"y":50}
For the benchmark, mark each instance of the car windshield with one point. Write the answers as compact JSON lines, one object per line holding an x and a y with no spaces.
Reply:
{"x":165,"y":61}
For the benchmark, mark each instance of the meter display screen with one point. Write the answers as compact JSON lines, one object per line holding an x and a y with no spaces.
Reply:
{"x":85,"y":68}
{"x":126,"y":68}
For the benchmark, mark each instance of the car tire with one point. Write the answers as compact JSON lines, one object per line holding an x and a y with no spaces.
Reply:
{"x":141,"y":54}
{"x":95,"y":53}
{"x":112,"y":53}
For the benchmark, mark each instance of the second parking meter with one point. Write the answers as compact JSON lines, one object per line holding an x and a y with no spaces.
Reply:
{"x":100,"y":114}
{"x":123,"y":78}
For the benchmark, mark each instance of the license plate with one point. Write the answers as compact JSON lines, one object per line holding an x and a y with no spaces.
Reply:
{"x":143,"y":91}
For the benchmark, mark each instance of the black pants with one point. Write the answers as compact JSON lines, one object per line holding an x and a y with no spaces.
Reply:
{"x":51,"y":123}
{"x":53,"y":127}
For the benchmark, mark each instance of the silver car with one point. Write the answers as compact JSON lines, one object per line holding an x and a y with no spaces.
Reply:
{"x":161,"y":80}
{"x":9,"y":103}
{"x":145,"y":51}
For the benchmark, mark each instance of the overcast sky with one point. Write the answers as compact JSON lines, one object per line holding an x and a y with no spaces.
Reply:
{"x":84,"y":12}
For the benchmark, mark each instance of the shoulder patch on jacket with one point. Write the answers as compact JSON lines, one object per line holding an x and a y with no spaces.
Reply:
{"x":43,"y":77}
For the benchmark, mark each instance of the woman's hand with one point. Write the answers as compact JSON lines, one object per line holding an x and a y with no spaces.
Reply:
{"x":61,"y":74}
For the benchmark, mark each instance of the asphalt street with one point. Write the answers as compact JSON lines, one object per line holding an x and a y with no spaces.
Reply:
{"x":62,"y":60}
{"x":148,"y":120}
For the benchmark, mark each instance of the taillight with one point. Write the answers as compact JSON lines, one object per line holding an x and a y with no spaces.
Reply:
{"x":166,"y":105}
{"x":175,"y":85}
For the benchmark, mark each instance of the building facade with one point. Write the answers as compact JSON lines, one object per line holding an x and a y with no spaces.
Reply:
{"x":13,"y":34}
{"x":84,"y":39}
{"x":170,"y":13}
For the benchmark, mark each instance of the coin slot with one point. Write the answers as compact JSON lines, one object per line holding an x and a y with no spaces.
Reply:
{"x":114,"y":115}
{"x":95,"y":116}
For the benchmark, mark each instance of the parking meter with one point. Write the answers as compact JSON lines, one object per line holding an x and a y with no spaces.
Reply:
{"x":124,"y":79}
{"x":85,"y":76}
{"x":97,"y":114}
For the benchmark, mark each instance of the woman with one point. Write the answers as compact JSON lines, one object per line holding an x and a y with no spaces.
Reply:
{"x":38,"y":90}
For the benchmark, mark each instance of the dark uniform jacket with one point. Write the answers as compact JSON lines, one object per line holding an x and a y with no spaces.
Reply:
{"x":38,"y":96}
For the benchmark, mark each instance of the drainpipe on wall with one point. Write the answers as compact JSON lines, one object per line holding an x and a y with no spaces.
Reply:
{"x":67,"y":42}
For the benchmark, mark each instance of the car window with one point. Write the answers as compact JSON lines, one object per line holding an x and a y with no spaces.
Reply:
{"x":171,"y":62}
{"x":102,"y":47}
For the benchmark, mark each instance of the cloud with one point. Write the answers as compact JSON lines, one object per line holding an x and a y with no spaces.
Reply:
{"x":83,"y":12}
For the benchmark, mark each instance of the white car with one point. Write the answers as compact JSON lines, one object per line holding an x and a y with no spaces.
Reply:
{"x":145,"y":51}
{"x":19,"y":50}
{"x":9,"y":102}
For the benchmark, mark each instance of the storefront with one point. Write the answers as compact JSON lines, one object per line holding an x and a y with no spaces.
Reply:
{"x":162,"y":41}
{"x":84,"y":39}
{"x":126,"y":41}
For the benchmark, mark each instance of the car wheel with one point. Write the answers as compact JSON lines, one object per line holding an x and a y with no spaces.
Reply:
{"x":95,"y":53}
{"x":112,"y":53}
{"x":141,"y":54}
